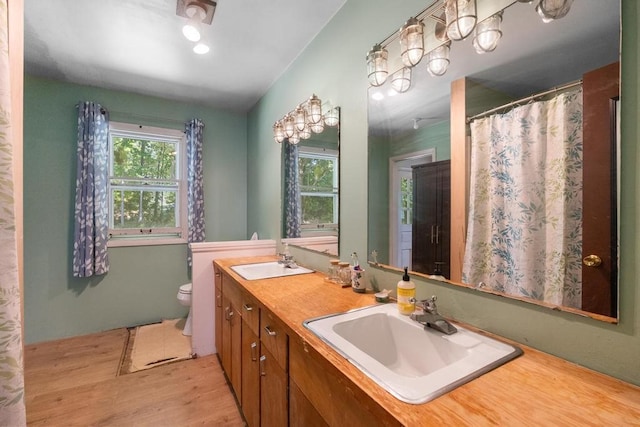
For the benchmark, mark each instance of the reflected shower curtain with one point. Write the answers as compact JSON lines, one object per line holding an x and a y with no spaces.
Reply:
{"x":292,"y":203}
{"x":91,"y":231}
{"x":195,"y":188}
{"x":12,"y":409}
{"x":524,"y":235}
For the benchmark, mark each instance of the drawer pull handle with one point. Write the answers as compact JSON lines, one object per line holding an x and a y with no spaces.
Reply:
{"x":247,"y":307}
{"x":219,"y":300}
{"x":262,"y":361}
{"x":269,"y":331}
{"x":254,"y":352}
{"x":228,"y":313}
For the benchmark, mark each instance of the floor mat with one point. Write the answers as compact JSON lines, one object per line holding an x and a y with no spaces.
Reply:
{"x":155,"y":345}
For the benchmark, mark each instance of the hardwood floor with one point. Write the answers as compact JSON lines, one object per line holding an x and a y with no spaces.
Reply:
{"x":74,"y":382}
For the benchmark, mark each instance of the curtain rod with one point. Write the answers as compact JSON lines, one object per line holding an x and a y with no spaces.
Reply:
{"x":149,"y":118}
{"x":525,"y":99}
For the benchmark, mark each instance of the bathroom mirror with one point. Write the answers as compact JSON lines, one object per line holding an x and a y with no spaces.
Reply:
{"x":411,"y":129}
{"x":317,"y":194}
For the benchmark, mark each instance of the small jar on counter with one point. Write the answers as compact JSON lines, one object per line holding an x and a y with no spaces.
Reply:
{"x":344,"y":273}
{"x":334,"y":270}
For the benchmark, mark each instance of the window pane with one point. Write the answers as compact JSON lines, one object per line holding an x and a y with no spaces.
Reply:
{"x":317,"y":210}
{"x":143,"y":158}
{"x":316,"y":174}
{"x":144,"y":209}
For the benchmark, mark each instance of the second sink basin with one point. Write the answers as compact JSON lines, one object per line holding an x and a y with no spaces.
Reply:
{"x":267,"y":270}
{"x":412,"y":363}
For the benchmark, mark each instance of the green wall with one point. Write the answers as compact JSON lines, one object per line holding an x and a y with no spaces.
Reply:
{"x":142,"y":283}
{"x":333,"y":67}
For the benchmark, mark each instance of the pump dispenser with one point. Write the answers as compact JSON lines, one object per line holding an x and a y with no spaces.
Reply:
{"x":406,"y":294}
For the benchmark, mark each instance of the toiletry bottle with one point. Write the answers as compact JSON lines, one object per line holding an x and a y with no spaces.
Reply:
{"x":406,"y":294}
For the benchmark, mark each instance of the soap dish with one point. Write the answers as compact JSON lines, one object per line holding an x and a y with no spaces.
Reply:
{"x":382,"y":296}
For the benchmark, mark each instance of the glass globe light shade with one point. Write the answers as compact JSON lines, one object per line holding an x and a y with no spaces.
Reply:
{"x":487,"y":34}
{"x":300,"y":118}
{"x":294,"y":139}
{"x":317,"y":127}
{"x":278,"y":132}
{"x":305,"y":133}
{"x":314,"y":110}
{"x":201,"y":48}
{"x":412,"y":42}
{"x":289,"y":125}
{"x":550,"y":10}
{"x":438,"y":60}
{"x":332,"y":118}
{"x":377,"y":65}
{"x":192,"y":30}
{"x":401,"y":80}
{"x":460,"y":18}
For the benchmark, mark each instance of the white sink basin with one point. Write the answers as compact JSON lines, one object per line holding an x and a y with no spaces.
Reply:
{"x":267,"y":270}
{"x":413,"y":363}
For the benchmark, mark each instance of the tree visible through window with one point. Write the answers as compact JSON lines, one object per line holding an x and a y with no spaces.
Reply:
{"x":146,"y":184}
{"x":318,"y":189}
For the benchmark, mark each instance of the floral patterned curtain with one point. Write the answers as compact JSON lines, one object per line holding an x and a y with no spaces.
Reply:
{"x":195,"y":189}
{"x":292,"y":203}
{"x":12,"y":409}
{"x":525,"y":206}
{"x":91,"y":210}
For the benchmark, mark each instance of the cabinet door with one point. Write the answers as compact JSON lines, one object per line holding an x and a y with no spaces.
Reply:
{"x":250,"y":375}
{"x":274,"y":410}
{"x":431,"y":230}
{"x":232,"y":345}
{"x":218,"y":310}
{"x":301,"y":411}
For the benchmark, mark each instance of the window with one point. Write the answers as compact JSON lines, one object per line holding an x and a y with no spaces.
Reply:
{"x":147,"y":185}
{"x":318,"y":169}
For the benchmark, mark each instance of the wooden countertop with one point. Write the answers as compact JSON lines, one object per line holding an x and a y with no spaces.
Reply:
{"x":534,"y":389}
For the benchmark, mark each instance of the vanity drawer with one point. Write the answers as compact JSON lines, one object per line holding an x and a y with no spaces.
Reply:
{"x":251,"y":312}
{"x":231,"y":291}
{"x":274,"y":337}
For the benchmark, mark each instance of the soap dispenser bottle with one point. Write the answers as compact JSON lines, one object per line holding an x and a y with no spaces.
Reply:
{"x":406,"y":294}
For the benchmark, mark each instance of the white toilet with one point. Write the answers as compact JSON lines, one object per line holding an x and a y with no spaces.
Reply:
{"x":184,"y":296}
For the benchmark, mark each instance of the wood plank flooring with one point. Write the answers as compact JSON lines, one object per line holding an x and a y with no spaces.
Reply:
{"x":74,"y":382}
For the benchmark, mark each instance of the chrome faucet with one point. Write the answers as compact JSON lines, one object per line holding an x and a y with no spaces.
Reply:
{"x":286,"y":259}
{"x":430,"y":317}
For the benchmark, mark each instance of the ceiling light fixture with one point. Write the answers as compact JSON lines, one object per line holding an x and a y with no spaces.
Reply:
{"x":411,"y":42}
{"x":197,"y":12}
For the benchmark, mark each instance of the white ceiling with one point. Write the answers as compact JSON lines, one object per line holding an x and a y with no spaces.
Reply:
{"x":137,"y":46}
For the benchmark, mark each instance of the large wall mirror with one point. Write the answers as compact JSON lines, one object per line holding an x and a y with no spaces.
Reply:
{"x":460,"y":186}
{"x":311,"y":190}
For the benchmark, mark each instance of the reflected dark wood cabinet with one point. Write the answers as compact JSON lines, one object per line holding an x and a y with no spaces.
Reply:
{"x":431,"y":236}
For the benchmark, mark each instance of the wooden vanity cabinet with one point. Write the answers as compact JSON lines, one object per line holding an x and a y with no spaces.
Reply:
{"x":231,"y":355}
{"x":250,"y":400}
{"x":218,"y":317}
{"x":274,"y":368}
{"x":335,"y":398}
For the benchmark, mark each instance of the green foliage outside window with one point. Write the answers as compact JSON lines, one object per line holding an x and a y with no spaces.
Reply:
{"x":144,"y":186}
{"x":317,"y":188}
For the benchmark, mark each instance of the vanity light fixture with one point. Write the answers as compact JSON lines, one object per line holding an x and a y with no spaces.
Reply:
{"x":289,"y":125}
{"x":305,"y":119}
{"x":377,"y":65}
{"x":461,"y":18}
{"x":314,"y":110}
{"x":300,"y":118}
{"x":438,"y":60}
{"x":401,"y":80}
{"x":487,"y":34}
{"x":412,"y":42}
{"x":550,"y":10}
{"x":331,"y":117}
{"x":278,"y":132}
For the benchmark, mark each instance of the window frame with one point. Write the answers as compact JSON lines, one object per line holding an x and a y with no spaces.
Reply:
{"x":157,"y":236}
{"x":324,"y":154}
